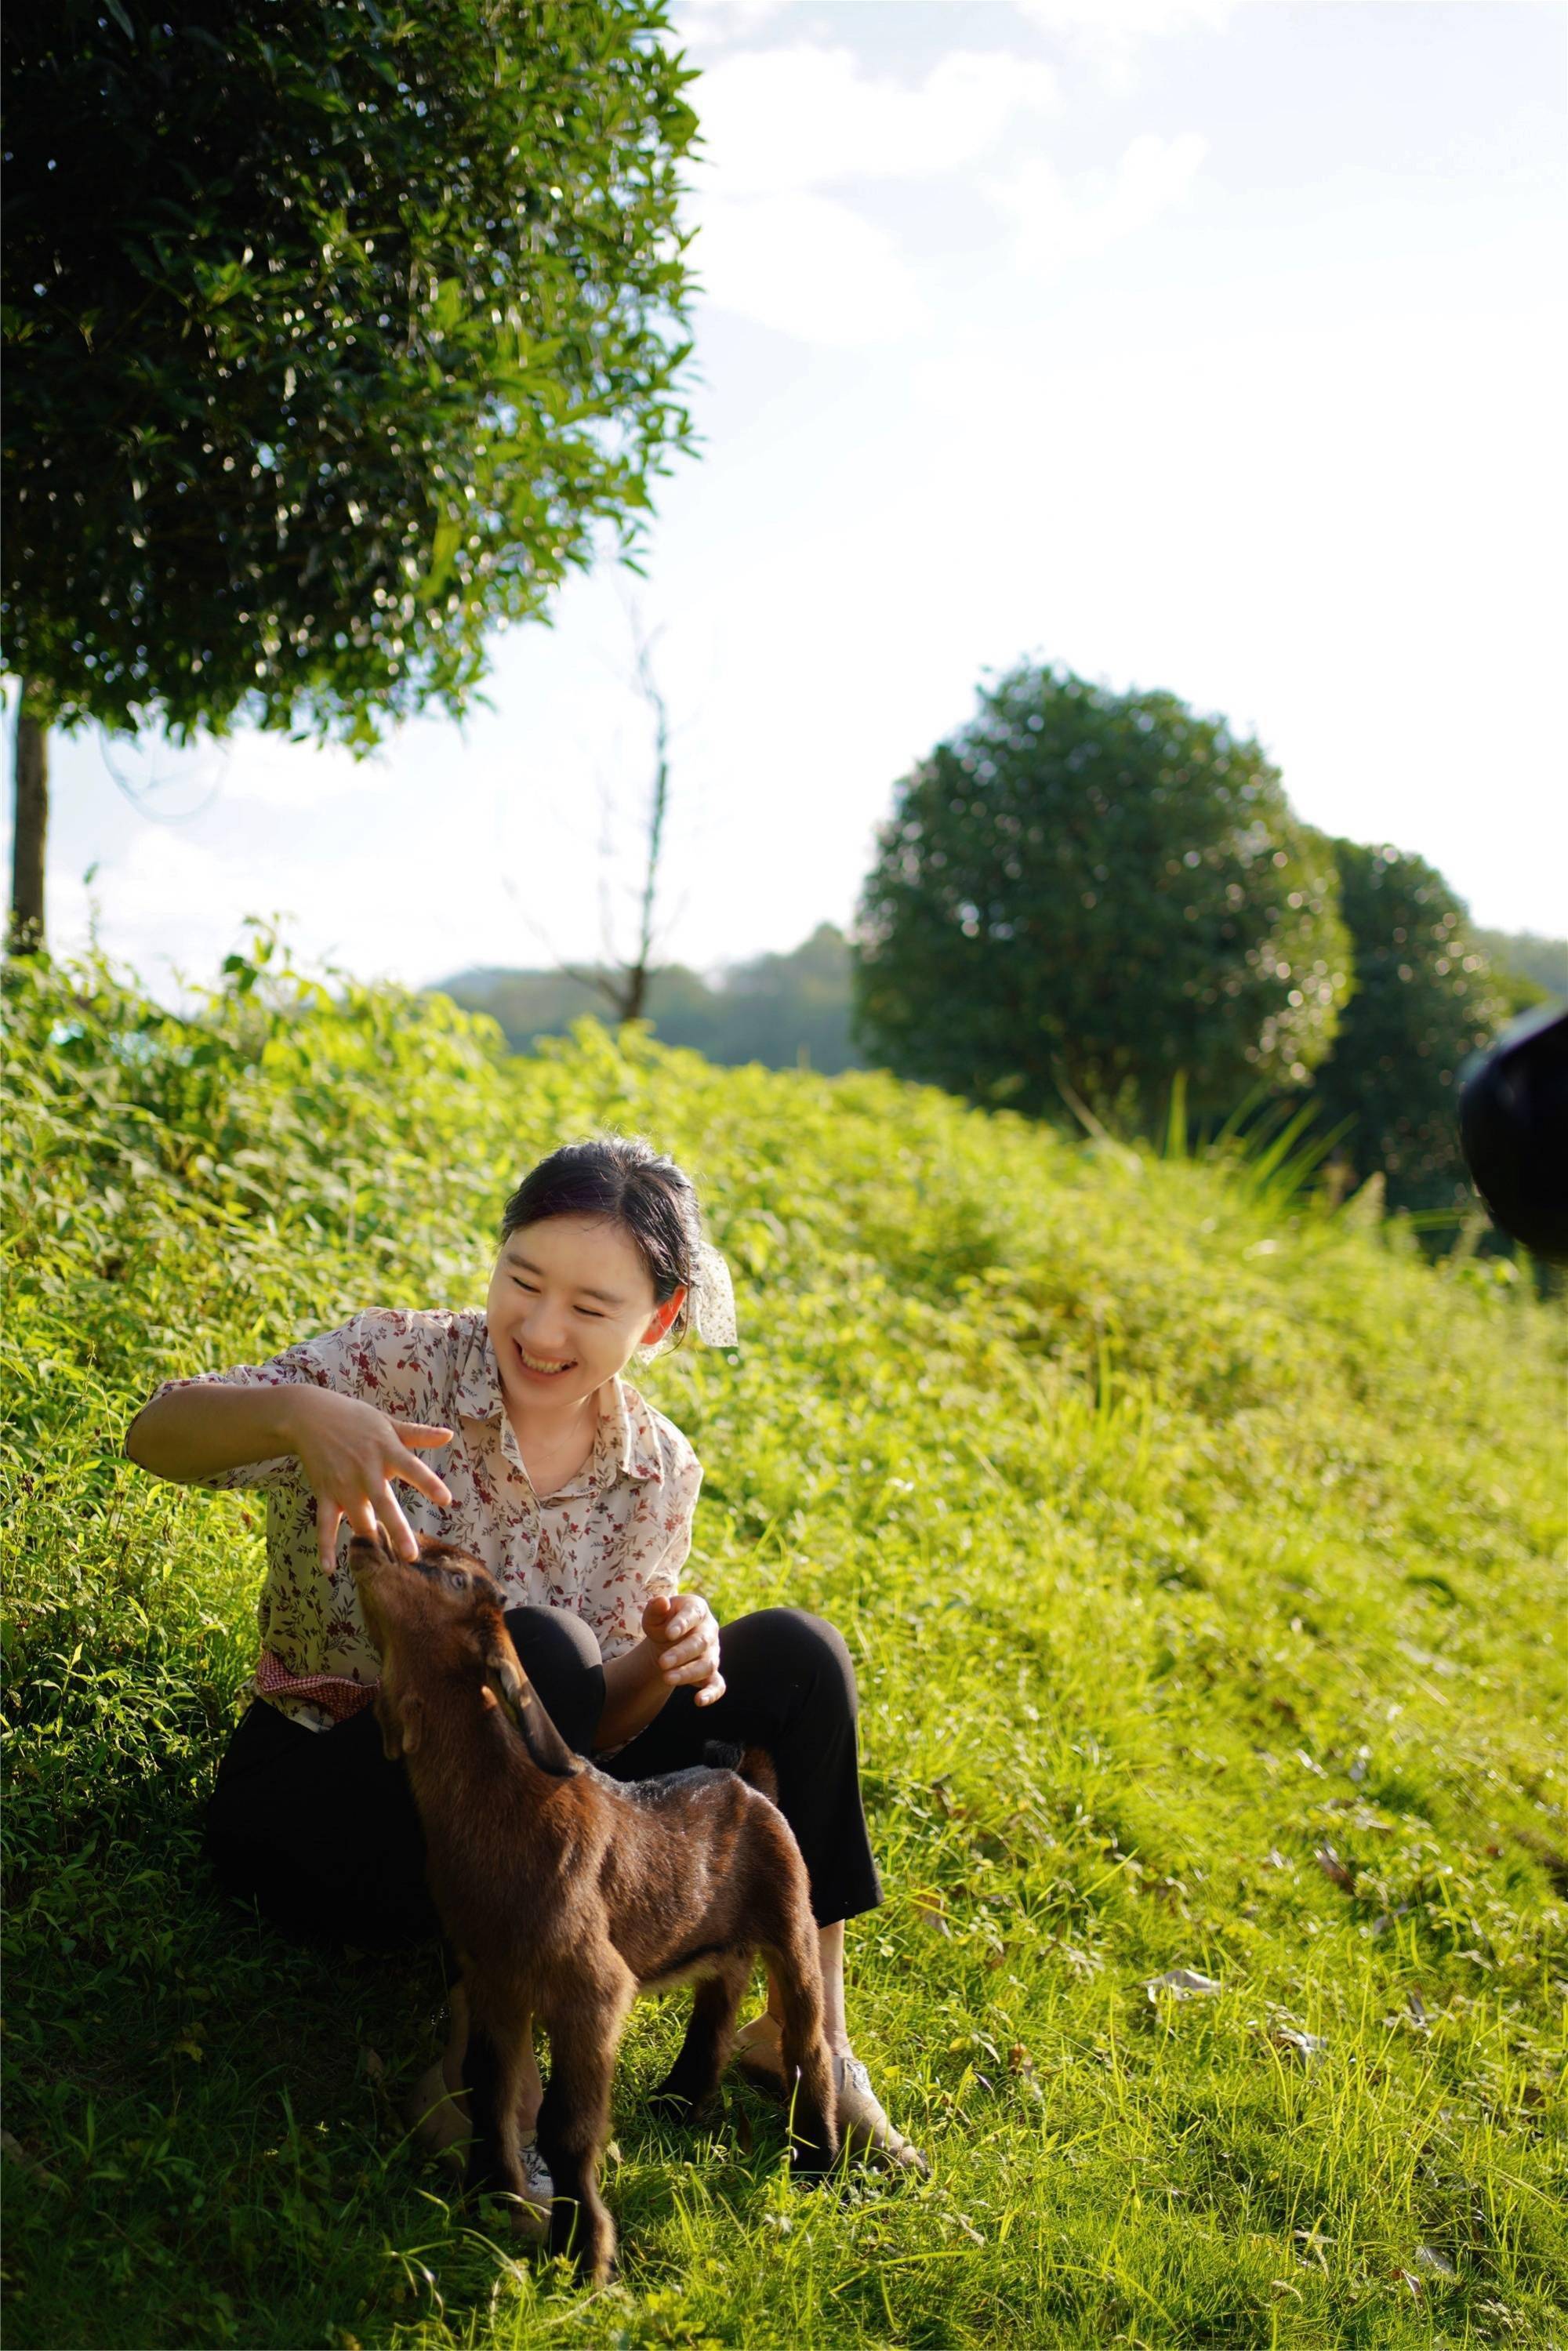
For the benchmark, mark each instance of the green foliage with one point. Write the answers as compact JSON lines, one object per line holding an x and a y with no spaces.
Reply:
{"x":1526,"y":968}
{"x":1101,"y":887}
{"x":334,"y":331}
{"x":779,"y":1009}
{"x":1200,"y":1553}
{"x":1423,"y":1000}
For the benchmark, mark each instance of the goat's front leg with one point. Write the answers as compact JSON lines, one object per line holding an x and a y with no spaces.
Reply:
{"x":498,"y":2059}
{"x":574,"y":2120}
{"x":693,"y":2077}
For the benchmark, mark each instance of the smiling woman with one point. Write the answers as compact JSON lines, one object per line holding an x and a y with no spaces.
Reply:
{"x":579,"y":1498}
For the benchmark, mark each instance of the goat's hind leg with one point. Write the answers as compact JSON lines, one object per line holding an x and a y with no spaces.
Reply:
{"x":794,"y":1955}
{"x":693,"y":2077}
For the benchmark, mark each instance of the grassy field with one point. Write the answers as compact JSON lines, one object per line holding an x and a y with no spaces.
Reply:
{"x":1201,"y":1554}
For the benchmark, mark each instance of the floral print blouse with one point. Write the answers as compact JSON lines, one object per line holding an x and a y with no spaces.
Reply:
{"x":618,"y":1532}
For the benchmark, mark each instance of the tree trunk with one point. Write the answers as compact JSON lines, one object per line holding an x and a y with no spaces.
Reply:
{"x":32,"y":819}
{"x":634,"y":992}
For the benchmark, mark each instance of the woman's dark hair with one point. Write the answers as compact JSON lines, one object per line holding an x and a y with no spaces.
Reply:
{"x":624,"y":1180}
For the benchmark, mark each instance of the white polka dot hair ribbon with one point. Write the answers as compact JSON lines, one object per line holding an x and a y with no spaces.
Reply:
{"x":713,"y":1298}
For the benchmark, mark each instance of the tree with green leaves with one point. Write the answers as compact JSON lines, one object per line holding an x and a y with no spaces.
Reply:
{"x":1083,"y":893}
{"x":339,"y":332}
{"x":1424,"y":998}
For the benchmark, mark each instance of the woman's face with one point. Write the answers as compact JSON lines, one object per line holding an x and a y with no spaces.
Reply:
{"x":570,"y":1299}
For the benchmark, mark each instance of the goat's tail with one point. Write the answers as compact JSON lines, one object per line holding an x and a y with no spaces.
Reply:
{"x":754,"y":1764}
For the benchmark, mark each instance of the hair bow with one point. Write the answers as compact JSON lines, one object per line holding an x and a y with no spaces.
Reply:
{"x":713,"y":1297}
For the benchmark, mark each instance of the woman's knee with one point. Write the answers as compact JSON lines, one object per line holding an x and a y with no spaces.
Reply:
{"x":551,"y":1633}
{"x":561,"y":1658}
{"x":791,"y":1641}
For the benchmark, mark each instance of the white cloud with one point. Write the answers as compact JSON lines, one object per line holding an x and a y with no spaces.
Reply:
{"x":1056,"y":221}
{"x":271,"y":772}
{"x":165,"y":899}
{"x":718,"y":21}
{"x":170,"y":782}
{"x":808,"y":117}
{"x":785,"y":126}
{"x":1108,"y":34}
{"x":808,"y":265}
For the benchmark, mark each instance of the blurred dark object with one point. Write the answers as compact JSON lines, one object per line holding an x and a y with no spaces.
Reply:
{"x":1513,"y":1125}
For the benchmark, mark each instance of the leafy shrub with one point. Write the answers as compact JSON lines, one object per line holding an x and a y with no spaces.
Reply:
{"x":1423,"y":1000}
{"x":1102,"y":887}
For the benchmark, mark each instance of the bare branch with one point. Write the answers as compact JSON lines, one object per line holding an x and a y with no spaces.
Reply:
{"x":625,"y":981}
{"x":658,"y":807}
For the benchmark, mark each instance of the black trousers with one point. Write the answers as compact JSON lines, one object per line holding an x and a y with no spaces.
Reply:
{"x":320,"y":1831}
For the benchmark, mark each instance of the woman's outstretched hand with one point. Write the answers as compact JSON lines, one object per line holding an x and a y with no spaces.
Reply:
{"x":684,"y":1629}
{"x":351,"y":1453}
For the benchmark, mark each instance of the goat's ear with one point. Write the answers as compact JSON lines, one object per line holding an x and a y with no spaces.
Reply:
{"x":508,"y":1686}
{"x":505,"y":1679}
{"x":401,"y":1723}
{"x":391,"y":1724}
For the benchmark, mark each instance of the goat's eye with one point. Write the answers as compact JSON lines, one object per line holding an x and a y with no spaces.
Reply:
{"x":458,"y":1582}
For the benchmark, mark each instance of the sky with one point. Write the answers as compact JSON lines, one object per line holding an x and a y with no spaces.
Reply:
{"x":1214,"y":346}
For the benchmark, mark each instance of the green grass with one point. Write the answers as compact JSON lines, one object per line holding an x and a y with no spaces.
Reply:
{"x":1201,"y":1552}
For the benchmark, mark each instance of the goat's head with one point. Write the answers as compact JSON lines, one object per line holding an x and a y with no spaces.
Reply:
{"x":437,"y":1623}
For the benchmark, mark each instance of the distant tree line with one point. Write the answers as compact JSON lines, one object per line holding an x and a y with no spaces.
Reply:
{"x":787,"y":1011}
{"x":1084,"y":900}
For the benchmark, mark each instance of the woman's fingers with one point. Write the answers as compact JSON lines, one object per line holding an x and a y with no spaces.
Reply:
{"x":362,"y":1519}
{"x":700,"y":1671}
{"x":710,"y":1690}
{"x":694,"y":1662}
{"x":422,"y":1432}
{"x":686,"y":1653}
{"x":689,"y":1612}
{"x":399,"y":1534}
{"x":380,"y":1521}
{"x":415,"y":1472}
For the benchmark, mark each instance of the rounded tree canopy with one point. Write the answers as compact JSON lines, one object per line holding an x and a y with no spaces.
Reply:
{"x":1424,"y":1000}
{"x":1101,"y":888}
{"x":334,"y":331}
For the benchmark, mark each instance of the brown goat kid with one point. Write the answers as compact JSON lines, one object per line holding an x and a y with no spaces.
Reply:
{"x":566,"y":1893}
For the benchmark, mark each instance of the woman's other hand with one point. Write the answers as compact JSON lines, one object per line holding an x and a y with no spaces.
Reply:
{"x":684,"y":1629}
{"x":351,"y":1452}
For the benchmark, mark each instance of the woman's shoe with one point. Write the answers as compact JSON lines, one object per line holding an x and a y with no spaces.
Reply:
{"x":757,"y":2054}
{"x":538,"y":2189}
{"x":438,"y":2119}
{"x":863,"y":2124}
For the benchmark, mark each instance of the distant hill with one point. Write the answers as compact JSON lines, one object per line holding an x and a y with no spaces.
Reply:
{"x":1525,"y":955}
{"x":792,"y":1011}
{"x":787,"y":1011}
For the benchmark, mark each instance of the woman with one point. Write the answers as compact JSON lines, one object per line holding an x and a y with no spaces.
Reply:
{"x":577,"y":1496}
